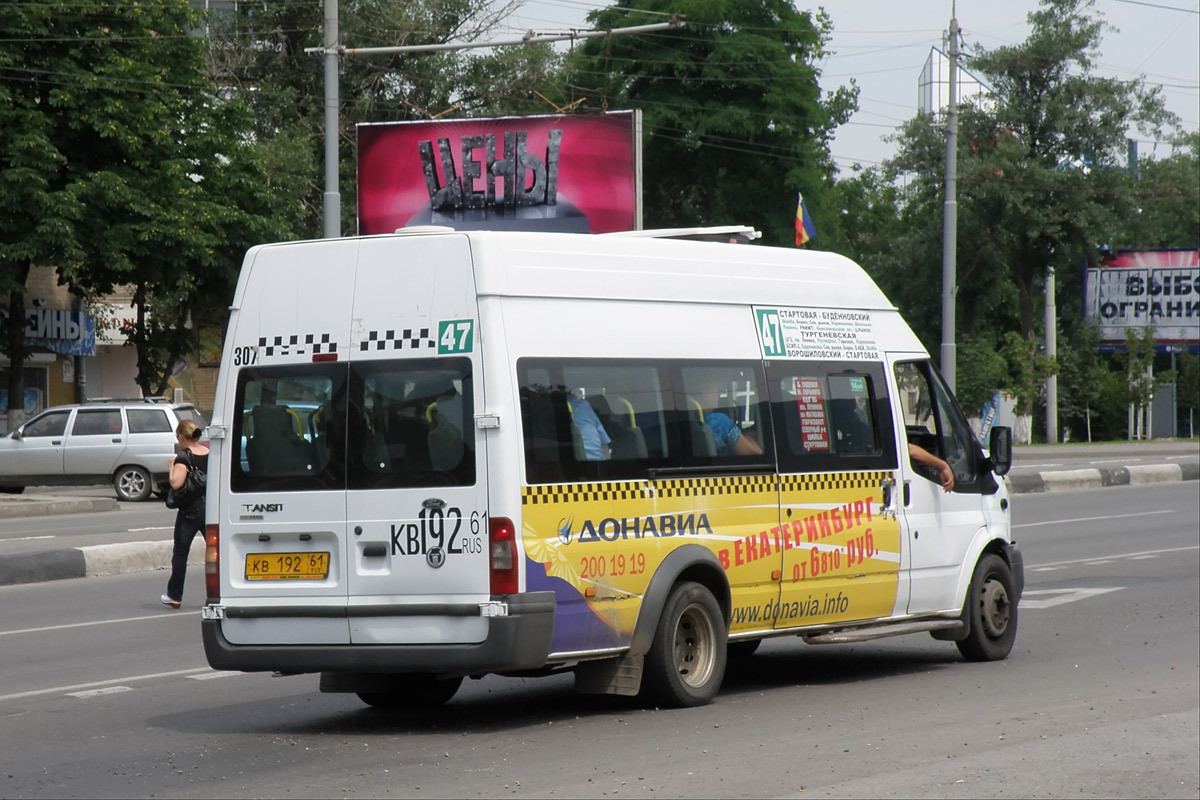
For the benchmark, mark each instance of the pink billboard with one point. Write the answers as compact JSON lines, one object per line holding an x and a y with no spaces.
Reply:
{"x":575,"y":174}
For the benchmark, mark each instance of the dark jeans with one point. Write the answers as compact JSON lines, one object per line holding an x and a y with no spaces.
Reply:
{"x":188,"y":522}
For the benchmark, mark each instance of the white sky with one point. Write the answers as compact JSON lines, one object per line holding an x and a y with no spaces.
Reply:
{"x":883,"y":44}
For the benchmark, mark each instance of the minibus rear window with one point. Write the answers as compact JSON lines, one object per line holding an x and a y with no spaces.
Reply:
{"x":290,"y":431}
{"x":411,"y":424}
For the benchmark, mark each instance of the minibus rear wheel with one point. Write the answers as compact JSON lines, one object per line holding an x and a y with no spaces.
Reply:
{"x":414,"y":693}
{"x":991,"y":612}
{"x":686,"y":662}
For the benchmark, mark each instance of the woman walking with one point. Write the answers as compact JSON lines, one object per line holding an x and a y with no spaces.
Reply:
{"x":189,"y":519}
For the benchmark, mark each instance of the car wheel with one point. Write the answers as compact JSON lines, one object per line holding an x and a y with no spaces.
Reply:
{"x":132,"y":483}
{"x":991,"y":612}
{"x":686,"y":662}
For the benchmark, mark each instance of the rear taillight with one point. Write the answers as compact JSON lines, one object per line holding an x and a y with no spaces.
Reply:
{"x":212,"y":563}
{"x":502,"y":545}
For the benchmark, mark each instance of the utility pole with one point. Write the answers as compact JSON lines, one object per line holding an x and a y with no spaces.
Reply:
{"x":332,"y":205}
{"x":1051,"y":350}
{"x":950,"y":212}
{"x":332,"y":51}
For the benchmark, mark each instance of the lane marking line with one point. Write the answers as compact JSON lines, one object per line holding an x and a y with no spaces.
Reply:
{"x":1092,"y":519}
{"x":228,"y":673}
{"x":1117,"y":557}
{"x":89,"y":624}
{"x":158,"y":528}
{"x":95,"y":684}
{"x":99,"y":692}
{"x":1060,"y":597}
{"x":29,"y":538}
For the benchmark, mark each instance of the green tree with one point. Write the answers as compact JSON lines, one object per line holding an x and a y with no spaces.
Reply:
{"x":734,"y":123}
{"x":167,"y":194}
{"x":1167,"y":198}
{"x":259,"y":55}
{"x":1043,"y":169}
{"x":1138,"y":360}
{"x":39,"y":205}
{"x":1040,"y":184}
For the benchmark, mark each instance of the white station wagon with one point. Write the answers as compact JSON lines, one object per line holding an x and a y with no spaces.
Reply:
{"x":126,"y":442}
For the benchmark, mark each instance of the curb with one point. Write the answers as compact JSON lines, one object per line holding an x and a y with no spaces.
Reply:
{"x":93,"y":561}
{"x":1076,"y":479}
{"x":12,"y":509}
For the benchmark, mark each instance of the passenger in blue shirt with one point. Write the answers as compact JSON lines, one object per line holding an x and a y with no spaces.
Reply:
{"x":595,"y":438}
{"x":726,"y":435}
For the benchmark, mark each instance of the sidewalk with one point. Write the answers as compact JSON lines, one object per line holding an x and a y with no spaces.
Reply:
{"x":113,"y":559}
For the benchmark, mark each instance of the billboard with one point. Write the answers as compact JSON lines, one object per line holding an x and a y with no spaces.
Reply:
{"x":579,"y":174}
{"x":1160,"y":288}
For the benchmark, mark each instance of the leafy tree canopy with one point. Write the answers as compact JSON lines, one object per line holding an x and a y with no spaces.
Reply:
{"x":734,"y":122}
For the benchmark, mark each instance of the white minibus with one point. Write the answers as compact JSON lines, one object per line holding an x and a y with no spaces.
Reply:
{"x":441,"y":454}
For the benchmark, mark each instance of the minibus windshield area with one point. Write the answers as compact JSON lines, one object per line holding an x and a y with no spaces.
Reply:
{"x":374,"y":425}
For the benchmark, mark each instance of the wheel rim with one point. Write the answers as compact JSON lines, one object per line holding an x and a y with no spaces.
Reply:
{"x":995,"y":610}
{"x":695,"y":653}
{"x":132,"y":483}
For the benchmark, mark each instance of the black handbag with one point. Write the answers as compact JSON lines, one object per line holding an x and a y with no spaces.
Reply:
{"x":194,"y":486}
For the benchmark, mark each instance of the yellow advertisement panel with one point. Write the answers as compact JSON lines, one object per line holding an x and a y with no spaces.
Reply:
{"x":597,"y":545}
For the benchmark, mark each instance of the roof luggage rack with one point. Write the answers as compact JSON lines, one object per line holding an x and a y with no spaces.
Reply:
{"x":734,"y":234}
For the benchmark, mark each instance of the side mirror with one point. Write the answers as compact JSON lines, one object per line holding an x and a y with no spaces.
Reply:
{"x":1000,"y":449}
{"x":18,"y":433}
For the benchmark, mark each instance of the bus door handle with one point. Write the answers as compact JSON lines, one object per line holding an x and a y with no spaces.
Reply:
{"x":888,"y":507}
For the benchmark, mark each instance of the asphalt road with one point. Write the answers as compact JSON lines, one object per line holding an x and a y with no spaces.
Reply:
{"x":105,"y":694}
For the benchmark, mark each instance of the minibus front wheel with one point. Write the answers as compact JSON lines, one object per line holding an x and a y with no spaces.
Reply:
{"x":991,"y":611}
{"x":686,"y":662}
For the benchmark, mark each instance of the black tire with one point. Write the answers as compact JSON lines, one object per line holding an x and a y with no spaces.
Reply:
{"x":413,"y":693}
{"x":686,"y":662}
{"x":990,"y":612}
{"x":744,"y":648}
{"x":132,"y":483}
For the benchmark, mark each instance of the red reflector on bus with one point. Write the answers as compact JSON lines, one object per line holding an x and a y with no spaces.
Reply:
{"x":212,"y":563}
{"x":502,"y":536}
{"x":317,"y":357}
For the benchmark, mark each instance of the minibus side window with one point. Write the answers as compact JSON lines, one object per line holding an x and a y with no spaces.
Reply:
{"x":831,"y":416}
{"x":725,"y":413}
{"x":290,"y":433}
{"x":587,"y":420}
{"x":411,"y":424}
{"x":933,"y":421}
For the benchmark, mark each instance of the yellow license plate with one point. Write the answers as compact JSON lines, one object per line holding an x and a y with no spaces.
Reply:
{"x":287,"y":566}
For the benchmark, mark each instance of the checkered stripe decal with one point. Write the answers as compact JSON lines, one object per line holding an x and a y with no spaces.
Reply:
{"x":290,"y":345}
{"x":700,"y":487}
{"x":583,"y":492}
{"x":640,"y":490}
{"x":409,"y":338}
{"x":696,"y":487}
{"x":826,"y":480}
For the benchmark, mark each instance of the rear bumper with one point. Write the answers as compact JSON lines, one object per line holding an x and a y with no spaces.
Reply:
{"x":518,"y":641}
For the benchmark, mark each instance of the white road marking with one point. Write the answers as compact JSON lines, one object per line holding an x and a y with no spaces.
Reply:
{"x":29,"y":538}
{"x":158,"y":528}
{"x":228,"y":673}
{"x":1031,"y":466}
{"x":88,"y":624}
{"x":1093,"y":519}
{"x":1117,"y":557}
{"x":95,"y":684}
{"x":1058,"y":597}
{"x":99,"y":692}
